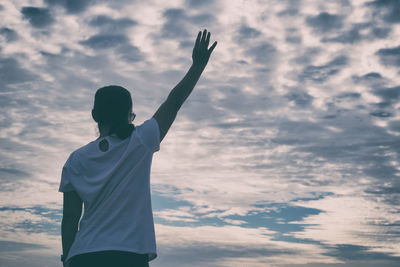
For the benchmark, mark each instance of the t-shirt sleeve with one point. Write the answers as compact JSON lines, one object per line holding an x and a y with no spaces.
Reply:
{"x":150,"y":134}
{"x":65,"y":183}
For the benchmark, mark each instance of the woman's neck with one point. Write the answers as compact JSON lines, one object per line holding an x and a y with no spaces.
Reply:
{"x":104,"y":130}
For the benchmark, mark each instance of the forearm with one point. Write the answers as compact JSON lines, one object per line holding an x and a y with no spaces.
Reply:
{"x":69,"y":228}
{"x":183,"y":89}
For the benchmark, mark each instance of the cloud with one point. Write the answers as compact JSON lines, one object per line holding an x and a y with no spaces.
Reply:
{"x":301,"y":99}
{"x":198,"y":3}
{"x":324,"y":72}
{"x":9,"y":34}
{"x":359,"y":32}
{"x":37,"y":17}
{"x":388,"y":95}
{"x":228,"y":246}
{"x":264,"y":53}
{"x":394,"y":125}
{"x":111,"y":25}
{"x":72,"y":6}
{"x":371,"y":79}
{"x":104,"y":41}
{"x":389,"y":56}
{"x":13,"y":73}
{"x":325,"y":22}
{"x":7,"y":246}
{"x":174,"y":27}
{"x":247,"y":32}
{"x":355,"y":252}
{"x":388,"y":10}
{"x":178,"y":22}
{"x":119,"y":42}
{"x":293,"y":36}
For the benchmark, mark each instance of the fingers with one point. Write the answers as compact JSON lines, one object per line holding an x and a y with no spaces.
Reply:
{"x":203,"y":38}
{"x":212,"y":47}
{"x":208,"y":39}
{"x":197,"y":44}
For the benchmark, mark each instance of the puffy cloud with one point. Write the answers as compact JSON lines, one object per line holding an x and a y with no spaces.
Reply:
{"x":323,"y":72}
{"x":301,"y":99}
{"x":388,"y":10}
{"x":389,"y":56}
{"x":72,"y":6}
{"x":325,"y":22}
{"x":360,"y":32}
{"x":103,"y":41}
{"x":13,"y":73}
{"x":9,"y":34}
{"x":110,"y":24}
{"x":247,"y":32}
{"x":198,"y":3}
{"x":37,"y":17}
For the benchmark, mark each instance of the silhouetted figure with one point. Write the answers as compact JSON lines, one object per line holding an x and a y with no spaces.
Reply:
{"x":111,"y":176}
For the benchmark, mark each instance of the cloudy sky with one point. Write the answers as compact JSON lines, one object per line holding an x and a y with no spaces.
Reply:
{"x":286,"y":154}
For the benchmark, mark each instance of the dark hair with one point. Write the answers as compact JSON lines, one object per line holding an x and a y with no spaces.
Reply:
{"x":111,"y":107}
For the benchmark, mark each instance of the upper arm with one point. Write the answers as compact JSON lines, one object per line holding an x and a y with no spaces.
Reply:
{"x":72,"y":207}
{"x":166,"y":114}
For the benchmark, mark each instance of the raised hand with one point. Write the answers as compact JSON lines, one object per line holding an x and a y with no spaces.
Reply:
{"x":201,"y":52}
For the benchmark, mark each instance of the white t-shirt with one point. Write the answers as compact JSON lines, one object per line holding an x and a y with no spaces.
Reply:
{"x":115,"y":189}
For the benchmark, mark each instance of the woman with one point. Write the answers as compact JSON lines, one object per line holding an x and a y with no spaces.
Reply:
{"x":111,"y":176}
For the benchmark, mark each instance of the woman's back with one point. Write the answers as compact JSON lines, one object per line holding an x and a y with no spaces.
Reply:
{"x":115,"y":188}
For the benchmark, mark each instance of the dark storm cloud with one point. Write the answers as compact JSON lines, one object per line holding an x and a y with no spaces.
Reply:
{"x":394,"y":125}
{"x":177,"y":20}
{"x":325,"y":22}
{"x":246,"y":32}
{"x":371,"y":77}
{"x":307,"y":56}
{"x":110,"y":24}
{"x":37,"y":17}
{"x":9,"y":246}
{"x":350,"y":95}
{"x":388,"y":94}
{"x":239,"y":103}
{"x":127,"y":51}
{"x":130,"y":53}
{"x":175,"y":26}
{"x":198,"y":3}
{"x":301,"y":99}
{"x":323,"y":72}
{"x":293,"y":36}
{"x":12,"y":173}
{"x":292,"y":8}
{"x":389,"y":56}
{"x":102,"y":41}
{"x":208,"y":254}
{"x":13,"y":73}
{"x":201,"y":19}
{"x":358,"y":142}
{"x":347,"y":252}
{"x":9,"y":34}
{"x":72,"y":6}
{"x":264,"y":53}
{"x":360,"y":32}
{"x":388,"y":10}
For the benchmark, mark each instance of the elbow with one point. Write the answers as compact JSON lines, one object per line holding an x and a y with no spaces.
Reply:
{"x":175,"y":101}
